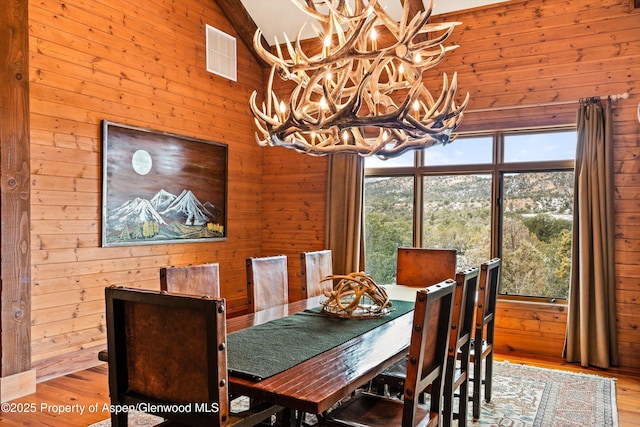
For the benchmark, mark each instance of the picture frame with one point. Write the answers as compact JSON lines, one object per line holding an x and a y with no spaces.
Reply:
{"x":160,"y":187}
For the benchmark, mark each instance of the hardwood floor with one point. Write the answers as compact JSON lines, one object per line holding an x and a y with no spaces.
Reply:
{"x":81,"y":399}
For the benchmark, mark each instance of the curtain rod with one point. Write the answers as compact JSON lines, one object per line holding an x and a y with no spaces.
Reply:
{"x":613,"y":98}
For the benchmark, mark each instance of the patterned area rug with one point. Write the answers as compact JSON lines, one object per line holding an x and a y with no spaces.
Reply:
{"x":523,"y":396}
{"x":526,"y":396}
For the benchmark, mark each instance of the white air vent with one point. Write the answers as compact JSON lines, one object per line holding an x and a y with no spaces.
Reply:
{"x":221,"y":53}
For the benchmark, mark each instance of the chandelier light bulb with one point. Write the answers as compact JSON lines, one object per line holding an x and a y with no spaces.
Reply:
{"x":327,"y":45}
{"x":323,"y":103}
{"x":416,"y":109}
{"x":374,"y":39}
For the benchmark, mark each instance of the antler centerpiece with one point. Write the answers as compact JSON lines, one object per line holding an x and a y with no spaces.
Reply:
{"x":355,"y":95}
{"x":356,"y":295}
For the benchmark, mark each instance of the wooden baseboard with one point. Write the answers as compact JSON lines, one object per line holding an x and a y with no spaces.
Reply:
{"x":58,"y":366}
{"x":17,"y":385}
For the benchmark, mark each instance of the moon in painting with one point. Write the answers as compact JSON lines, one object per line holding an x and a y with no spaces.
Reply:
{"x":141,"y":162}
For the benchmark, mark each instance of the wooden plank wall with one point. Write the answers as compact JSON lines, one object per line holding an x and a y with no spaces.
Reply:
{"x":294,"y":201}
{"x":512,"y":54}
{"x":531,"y":52}
{"x":140,"y":63}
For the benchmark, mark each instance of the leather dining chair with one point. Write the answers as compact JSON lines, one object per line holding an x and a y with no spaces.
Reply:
{"x":314,"y":267}
{"x":201,"y":279}
{"x":164,"y":349}
{"x":461,"y":335}
{"x":416,"y":267}
{"x":267,"y":282}
{"x":421,"y":267}
{"x":483,"y":340}
{"x":425,"y":370}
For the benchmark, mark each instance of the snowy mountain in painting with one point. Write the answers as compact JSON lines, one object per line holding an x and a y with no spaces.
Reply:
{"x":163,"y":208}
{"x":187,"y":207}
{"x":164,"y":217}
{"x":162,"y":200}
{"x":136,"y":211}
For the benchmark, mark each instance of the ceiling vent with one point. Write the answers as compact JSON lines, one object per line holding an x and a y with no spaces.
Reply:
{"x":221,"y":53}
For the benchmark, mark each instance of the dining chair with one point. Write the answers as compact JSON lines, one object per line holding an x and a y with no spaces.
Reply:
{"x":267,"y":282}
{"x":425,"y":370}
{"x":315,"y":266}
{"x":201,"y":279}
{"x":169,"y":351}
{"x":483,"y":340}
{"x":420,"y":267}
{"x":460,"y":337}
{"x":416,"y":267}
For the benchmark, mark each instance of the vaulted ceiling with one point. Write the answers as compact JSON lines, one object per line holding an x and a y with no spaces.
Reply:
{"x":277,"y":16}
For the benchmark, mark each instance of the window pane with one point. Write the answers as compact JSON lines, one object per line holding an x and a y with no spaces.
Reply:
{"x":462,"y":151}
{"x":457,"y":215}
{"x":536,"y":244}
{"x":388,"y":218}
{"x":404,"y":160}
{"x":540,"y":147}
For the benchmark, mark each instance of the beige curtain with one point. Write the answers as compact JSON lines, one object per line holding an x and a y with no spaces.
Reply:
{"x":344,"y":212}
{"x":591,"y":325}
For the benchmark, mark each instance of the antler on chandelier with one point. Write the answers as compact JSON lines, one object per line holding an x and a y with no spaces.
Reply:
{"x":344,"y":98}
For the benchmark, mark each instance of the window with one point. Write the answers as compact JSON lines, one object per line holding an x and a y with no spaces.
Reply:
{"x":389,"y":223}
{"x":536,"y":233}
{"x":506,"y":194}
{"x":457,"y":214}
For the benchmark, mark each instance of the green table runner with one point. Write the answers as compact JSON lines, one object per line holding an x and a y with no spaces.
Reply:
{"x":265,"y":350}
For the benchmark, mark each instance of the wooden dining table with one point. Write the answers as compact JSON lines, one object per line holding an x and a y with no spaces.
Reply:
{"x":315,"y":385}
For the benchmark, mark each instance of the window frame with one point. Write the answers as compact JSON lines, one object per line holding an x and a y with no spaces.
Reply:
{"x":497,"y":169}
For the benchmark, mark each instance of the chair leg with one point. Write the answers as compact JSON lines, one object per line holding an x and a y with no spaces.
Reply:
{"x":477,"y":384}
{"x":463,"y":403}
{"x":447,"y":412}
{"x":120,"y":419}
{"x":488,"y":374}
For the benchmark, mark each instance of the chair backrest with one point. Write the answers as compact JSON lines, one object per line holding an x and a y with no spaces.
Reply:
{"x":168,"y":349}
{"x":315,"y":266}
{"x":487,"y":299}
{"x":421,"y":267}
{"x":427,"y":360}
{"x":267,"y":282}
{"x":202,"y":279}
{"x":463,"y":310}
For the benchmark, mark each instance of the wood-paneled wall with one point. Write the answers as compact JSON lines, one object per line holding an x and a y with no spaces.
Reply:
{"x":140,"y":63}
{"x":523,"y":53}
{"x":294,"y":203}
{"x":545,"y":51}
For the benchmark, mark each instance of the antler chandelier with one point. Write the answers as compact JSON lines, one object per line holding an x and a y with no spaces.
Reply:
{"x":357,"y":96}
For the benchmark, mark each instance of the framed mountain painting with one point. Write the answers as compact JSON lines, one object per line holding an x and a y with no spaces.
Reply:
{"x":161,"y":188}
